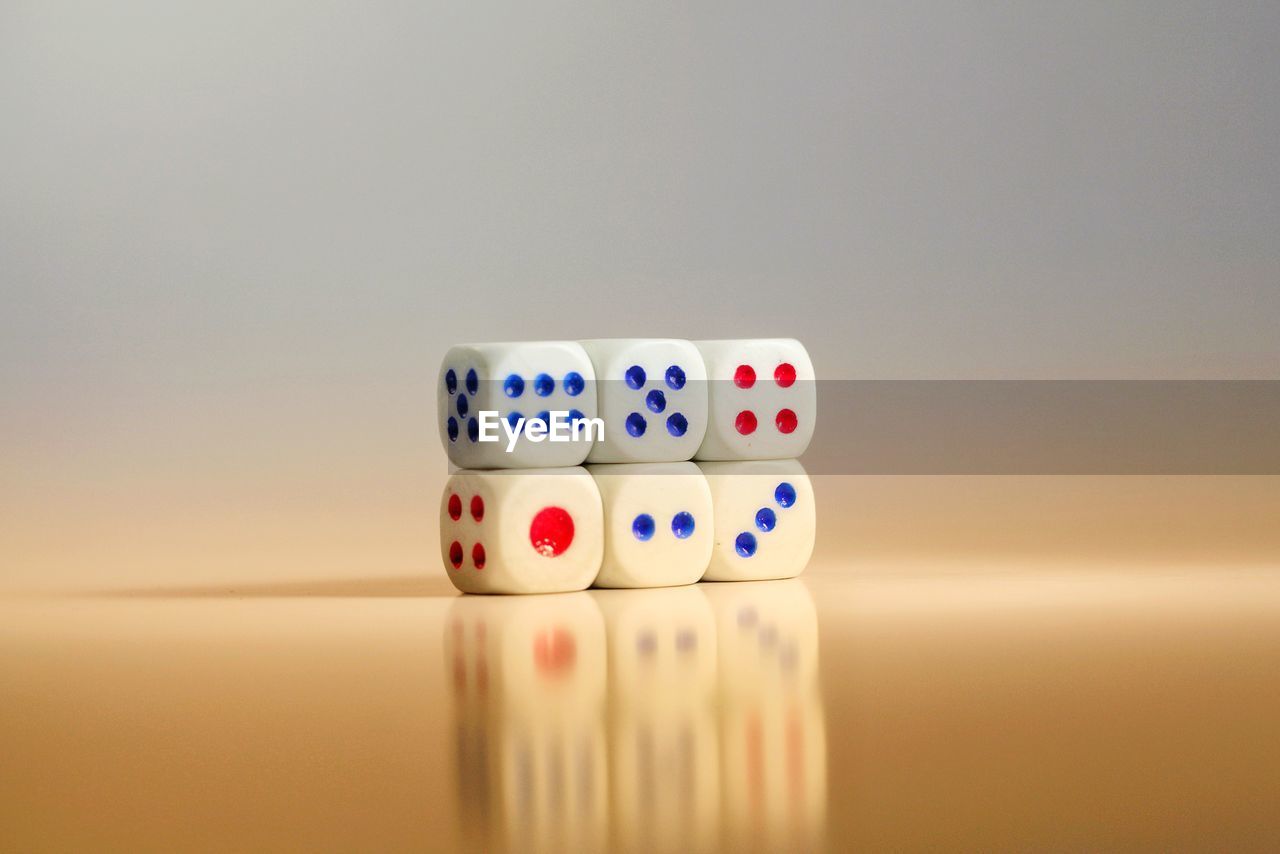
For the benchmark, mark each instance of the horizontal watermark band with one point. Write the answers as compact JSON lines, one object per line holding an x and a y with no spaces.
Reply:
{"x":1223,"y":427}
{"x":1175,"y":427}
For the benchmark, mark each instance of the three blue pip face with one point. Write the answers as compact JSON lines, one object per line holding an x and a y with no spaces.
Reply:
{"x":766,"y":519}
{"x":652,"y":403}
{"x":522,"y":397}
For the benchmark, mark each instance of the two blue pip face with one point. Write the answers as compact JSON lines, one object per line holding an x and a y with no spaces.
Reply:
{"x":643,"y":527}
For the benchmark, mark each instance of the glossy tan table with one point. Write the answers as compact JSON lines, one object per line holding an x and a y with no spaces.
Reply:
{"x":1056,"y":665}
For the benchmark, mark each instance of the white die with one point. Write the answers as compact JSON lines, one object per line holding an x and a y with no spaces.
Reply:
{"x":762,"y":399}
{"x":765,"y":519}
{"x":521,"y":530}
{"x":528,"y":378}
{"x":652,"y":395}
{"x":657,"y":524}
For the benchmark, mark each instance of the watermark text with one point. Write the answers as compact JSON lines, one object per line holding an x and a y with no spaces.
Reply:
{"x":559,"y":426}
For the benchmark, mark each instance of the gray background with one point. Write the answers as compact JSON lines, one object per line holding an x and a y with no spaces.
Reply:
{"x":253,"y":192}
{"x":236,"y":237}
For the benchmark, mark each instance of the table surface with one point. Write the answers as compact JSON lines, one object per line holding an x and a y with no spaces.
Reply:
{"x":1095,"y":700}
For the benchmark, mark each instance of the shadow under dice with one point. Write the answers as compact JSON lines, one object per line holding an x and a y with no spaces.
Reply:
{"x":653,"y":398}
{"x":521,"y":530}
{"x":516,"y":380}
{"x":657,"y":524}
{"x":765,"y":519}
{"x":762,"y":399}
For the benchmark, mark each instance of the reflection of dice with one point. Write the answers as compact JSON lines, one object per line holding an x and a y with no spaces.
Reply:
{"x":521,"y":531}
{"x":529,"y":683}
{"x":765,"y":519}
{"x":531,"y":657}
{"x":652,"y":396}
{"x":766,"y":637}
{"x":662,"y":647}
{"x":773,"y":764}
{"x":772,"y":732}
{"x":762,"y":399}
{"x":657,"y":524}
{"x":664,"y":751}
{"x":529,"y":379}
{"x":555,"y":785}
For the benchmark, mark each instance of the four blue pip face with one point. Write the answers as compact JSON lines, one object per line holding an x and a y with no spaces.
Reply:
{"x":653,"y":401}
{"x":766,"y":519}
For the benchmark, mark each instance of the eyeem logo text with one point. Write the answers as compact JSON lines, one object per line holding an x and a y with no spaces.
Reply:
{"x":558,"y":428}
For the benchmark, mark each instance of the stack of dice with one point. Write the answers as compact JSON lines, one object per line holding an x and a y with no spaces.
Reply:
{"x":693,"y":478}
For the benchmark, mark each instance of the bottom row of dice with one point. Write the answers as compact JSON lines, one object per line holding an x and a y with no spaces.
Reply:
{"x":642,"y":525}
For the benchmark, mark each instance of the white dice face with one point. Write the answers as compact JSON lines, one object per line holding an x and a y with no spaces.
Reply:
{"x":762,"y":399}
{"x":653,"y":398}
{"x":522,"y":379}
{"x":657,"y":524}
{"x":765,"y":519}
{"x":521,"y":530}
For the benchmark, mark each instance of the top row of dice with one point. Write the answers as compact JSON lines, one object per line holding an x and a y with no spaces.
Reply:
{"x":660,"y":399}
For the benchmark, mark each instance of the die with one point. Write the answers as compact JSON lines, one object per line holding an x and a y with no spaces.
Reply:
{"x":515,"y":380}
{"x":765,"y":519}
{"x":772,"y":732}
{"x":652,"y":396}
{"x":762,"y":399}
{"x":528,"y":683}
{"x":521,"y":530}
{"x":657,"y":524}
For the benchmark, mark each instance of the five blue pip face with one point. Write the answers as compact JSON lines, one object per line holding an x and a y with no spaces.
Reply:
{"x":654,"y":401}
